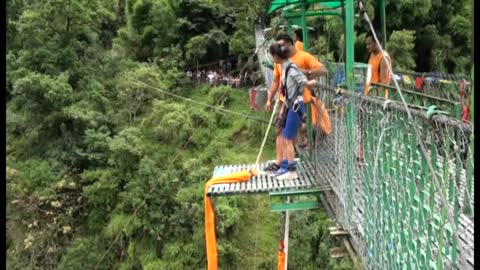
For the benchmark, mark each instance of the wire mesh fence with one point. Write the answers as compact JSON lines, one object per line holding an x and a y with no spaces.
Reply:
{"x":449,"y":92}
{"x":383,"y":192}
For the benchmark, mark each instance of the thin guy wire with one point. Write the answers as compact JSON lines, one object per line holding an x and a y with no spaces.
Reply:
{"x":154,"y":186}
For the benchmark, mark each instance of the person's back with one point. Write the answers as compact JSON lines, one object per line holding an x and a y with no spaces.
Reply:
{"x":294,"y":84}
{"x":375,"y":61}
{"x":378,"y":64}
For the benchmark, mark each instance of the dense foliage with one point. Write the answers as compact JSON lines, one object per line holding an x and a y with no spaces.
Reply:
{"x":106,"y":172}
{"x":428,"y":35}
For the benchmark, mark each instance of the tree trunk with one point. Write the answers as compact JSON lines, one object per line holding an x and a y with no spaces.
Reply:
{"x":239,"y":63}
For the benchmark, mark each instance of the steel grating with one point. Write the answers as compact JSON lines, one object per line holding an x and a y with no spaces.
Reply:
{"x":264,"y":183}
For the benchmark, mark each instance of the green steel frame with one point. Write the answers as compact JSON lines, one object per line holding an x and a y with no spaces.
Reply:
{"x":348,"y":17}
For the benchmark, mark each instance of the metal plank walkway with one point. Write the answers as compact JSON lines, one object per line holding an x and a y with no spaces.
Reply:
{"x":263,"y":183}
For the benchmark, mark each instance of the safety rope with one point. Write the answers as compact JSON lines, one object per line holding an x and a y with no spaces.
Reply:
{"x":258,"y":160}
{"x":210,"y":236}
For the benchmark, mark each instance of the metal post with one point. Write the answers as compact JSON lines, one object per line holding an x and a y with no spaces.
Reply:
{"x":308,"y":106}
{"x":351,"y":121}
{"x":349,"y":42}
{"x":383,"y":22}
{"x":304,"y":28}
{"x":285,"y":239}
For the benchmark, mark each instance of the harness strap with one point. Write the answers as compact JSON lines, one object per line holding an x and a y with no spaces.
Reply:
{"x":289,"y":102}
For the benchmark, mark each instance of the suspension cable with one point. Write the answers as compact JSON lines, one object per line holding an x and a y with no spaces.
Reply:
{"x":263,"y":121}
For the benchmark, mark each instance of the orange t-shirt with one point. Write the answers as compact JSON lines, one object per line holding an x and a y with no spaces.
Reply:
{"x":299,"y":45}
{"x":374,"y":61}
{"x":303,"y":60}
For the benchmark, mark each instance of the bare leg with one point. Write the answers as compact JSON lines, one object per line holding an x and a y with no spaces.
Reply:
{"x":289,"y":150}
{"x":279,"y":146}
{"x":289,"y":155}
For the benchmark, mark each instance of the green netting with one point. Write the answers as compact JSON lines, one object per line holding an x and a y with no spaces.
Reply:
{"x":278,"y":4}
{"x":384,"y":190}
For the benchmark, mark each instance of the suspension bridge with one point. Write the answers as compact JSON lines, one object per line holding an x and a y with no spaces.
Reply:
{"x":395,"y":176}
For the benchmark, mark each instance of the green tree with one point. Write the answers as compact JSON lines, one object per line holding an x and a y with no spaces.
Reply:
{"x":400,"y":47}
{"x":150,"y":27}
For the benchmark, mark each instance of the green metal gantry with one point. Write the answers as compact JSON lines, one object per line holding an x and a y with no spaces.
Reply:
{"x":297,"y":11}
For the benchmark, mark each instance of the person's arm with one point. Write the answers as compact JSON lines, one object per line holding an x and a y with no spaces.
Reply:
{"x":384,"y":71}
{"x":317,"y":71}
{"x":299,"y":77}
{"x":302,"y":80}
{"x":273,"y":90}
{"x":315,"y":68}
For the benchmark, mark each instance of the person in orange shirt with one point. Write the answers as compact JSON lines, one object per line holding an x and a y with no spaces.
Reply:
{"x":307,"y":64}
{"x":298,"y":40}
{"x":379,"y":73}
{"x":378,"y":64}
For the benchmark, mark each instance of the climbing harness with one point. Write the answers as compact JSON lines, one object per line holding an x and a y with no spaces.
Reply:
{"x":291,"y":102}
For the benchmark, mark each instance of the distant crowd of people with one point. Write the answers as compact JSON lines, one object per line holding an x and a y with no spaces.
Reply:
{"x":216,"y":77}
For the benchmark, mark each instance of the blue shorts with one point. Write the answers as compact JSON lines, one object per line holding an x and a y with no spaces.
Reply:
{"x":293,"y":121}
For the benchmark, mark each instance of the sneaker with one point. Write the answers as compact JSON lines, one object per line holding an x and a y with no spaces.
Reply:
{"x":288,"y":176}
{"x":271,"y":168}
{"x":279,"y":172}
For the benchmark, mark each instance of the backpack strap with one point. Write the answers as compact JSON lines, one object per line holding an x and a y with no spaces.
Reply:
{"x":289,"y":101}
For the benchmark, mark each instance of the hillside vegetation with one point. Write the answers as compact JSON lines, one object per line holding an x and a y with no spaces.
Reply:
{"x":105,"y":172}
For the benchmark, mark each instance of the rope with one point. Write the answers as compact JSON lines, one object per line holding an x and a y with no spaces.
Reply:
{"x":258,"y":160}
{"x":266,"y":134}
{"x":203,"y":104}
{"x":421,"y":143}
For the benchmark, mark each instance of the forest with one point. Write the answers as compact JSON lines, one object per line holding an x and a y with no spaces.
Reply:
{"x":104,"y":171}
